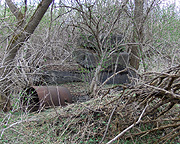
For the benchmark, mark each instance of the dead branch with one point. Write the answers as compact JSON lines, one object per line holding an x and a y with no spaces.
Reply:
{"x":131,"y":126}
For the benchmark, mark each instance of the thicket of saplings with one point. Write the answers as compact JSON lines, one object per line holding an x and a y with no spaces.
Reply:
{"x":145,"y":113}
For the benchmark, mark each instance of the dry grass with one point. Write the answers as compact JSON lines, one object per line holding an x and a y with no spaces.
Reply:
{"x":145,"y":113}
{"x":148,"y":112}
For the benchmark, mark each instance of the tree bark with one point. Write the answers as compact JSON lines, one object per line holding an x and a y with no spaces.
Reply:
{"x":15,"y":10}
{"x":137,"y":34}
{"x":17,"y":41}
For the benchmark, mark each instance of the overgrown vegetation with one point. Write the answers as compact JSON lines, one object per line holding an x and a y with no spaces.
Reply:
{"x":146,"y":112}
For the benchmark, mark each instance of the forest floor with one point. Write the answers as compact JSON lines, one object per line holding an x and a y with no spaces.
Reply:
{"x":83,"y":122}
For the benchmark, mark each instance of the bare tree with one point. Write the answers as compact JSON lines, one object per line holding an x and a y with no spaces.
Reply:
{"x":98,"y":24}
{"x":97,"y":21}
{"x":139,"y":12}
{"x":137,"y":34}
{"x":16,"y":42}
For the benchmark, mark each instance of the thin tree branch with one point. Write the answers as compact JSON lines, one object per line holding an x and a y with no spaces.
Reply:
{"x":131,"y":126}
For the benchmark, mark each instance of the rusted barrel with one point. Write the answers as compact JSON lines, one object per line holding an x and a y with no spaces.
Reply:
{"x":38,"y":97}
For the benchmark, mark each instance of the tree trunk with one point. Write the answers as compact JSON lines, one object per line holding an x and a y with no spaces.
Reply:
{"x":137,"y":34}
{"x":17,"y":41}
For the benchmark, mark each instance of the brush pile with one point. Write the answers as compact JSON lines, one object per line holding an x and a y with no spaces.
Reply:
{"x":147,"y":112}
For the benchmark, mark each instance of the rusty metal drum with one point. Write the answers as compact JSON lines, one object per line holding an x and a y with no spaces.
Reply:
{"x":38,"y":97}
